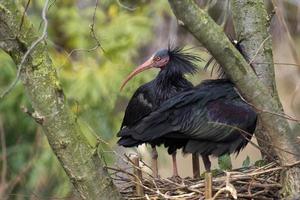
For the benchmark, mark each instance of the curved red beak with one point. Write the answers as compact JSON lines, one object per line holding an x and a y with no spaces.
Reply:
{"x":146,"y":65}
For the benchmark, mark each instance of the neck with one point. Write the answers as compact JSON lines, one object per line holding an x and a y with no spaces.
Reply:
{"x":167,"y":78}
{"x":169,"y":84}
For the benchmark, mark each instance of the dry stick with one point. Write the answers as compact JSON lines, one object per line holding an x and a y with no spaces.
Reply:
{"x":208,"y":185}
{"x":240,"y":175}
{"x":228,"y":188}
{"x":157,"y":189}
{"x":183,"y":186}
{"x":34,"y":44}
{"x":278,"y":63}
{"x":283,"y":115}
{"x":128,"y":161}
{"x":236,"y":177}
{"x":259,"y":48}
{"x":137,"y":171}
{"x":249,"y":188}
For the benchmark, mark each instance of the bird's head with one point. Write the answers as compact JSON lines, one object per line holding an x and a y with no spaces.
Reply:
{"x":177,"y":60}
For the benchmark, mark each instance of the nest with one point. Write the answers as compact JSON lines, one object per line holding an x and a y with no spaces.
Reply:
{"x":253,"y":182}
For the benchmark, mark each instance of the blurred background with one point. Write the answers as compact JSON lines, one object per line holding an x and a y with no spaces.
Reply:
{"x":129,"y":31}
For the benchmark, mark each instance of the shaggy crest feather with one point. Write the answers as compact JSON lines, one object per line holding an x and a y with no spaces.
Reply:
{"x":183,"y":60}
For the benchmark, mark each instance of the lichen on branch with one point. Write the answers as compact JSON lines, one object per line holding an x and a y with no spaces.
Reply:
{"x":79,"y":160}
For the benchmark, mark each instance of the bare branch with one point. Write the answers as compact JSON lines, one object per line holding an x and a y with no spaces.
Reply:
{"x":259,"y":48}
{"x":93,"y":35}
{"x":25,"y":10}
{"x":126,"y":7}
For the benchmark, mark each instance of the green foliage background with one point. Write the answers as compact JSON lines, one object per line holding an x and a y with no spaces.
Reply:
{"x":90,"y":79}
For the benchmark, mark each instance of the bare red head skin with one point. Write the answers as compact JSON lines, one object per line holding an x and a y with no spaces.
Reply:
{"x":159,"y":60}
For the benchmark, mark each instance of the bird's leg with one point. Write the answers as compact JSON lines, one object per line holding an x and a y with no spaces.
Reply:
{"x":175,"y":170}
{"x":207,"y":163}
{"x":154,"y":162}
{"x":208,"y":177}
{"x":196,"y":166}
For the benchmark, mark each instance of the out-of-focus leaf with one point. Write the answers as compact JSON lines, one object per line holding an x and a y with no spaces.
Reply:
{"x":246,"y":162}
{"x":225,"y":162}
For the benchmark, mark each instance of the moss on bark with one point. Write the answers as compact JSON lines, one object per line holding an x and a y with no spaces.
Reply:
{"x":79,"y":159}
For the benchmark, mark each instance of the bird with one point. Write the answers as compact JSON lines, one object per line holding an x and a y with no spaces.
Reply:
{"x":174,"y":63}
{"x":210,"y":119}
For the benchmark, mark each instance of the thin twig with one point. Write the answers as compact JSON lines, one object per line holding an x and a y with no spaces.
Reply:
{"x":22,"y":19}
{"x":126,"y":7}
{"x":93,"y":35}
{"x":259,"y":48}
{"x":31,"y":48}
{"x":278,"y":63}
{"x":283,"y":115}
{"x":260,"y":139}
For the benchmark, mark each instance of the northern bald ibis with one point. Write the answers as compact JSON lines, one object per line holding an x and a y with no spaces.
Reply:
{"x":173,"y":63}
{"x":209,"y":119}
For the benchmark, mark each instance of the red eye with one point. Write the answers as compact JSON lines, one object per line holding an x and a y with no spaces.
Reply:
{"x":157,"y":58}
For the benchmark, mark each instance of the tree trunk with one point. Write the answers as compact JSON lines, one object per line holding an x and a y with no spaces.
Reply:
{"x":78,"y":157}
{"x":250,"y":20}
{"x":199,"y":23}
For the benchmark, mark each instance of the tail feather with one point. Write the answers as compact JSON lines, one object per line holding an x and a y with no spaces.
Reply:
{"x":129,"y":142}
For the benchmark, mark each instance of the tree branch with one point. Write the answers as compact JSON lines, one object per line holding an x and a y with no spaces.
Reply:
{"x":78,"y":157}
{"x":250,"y":19}
{"x":33,"y":45}
{"x":199,"y":23}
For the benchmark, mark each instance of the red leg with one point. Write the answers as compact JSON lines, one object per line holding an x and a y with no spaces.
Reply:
{"x":196,"y":166}
{"x":175,"y":170}
{"x":207,"y":163}
{"x":154,"y":162}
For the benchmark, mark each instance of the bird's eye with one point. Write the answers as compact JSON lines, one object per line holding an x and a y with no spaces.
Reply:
{"x":157,"y":58}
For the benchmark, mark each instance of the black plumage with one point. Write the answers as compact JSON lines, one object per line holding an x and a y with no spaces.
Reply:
{"x":206,"y":119}
{"x":148,"y":97}
{"x":169,"y":81}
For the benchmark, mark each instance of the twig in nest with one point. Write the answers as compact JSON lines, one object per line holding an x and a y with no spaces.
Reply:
{"x":228,"y":188}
